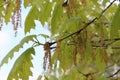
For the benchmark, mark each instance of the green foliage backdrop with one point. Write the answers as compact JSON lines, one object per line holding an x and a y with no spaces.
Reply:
{"x":84,"y":42}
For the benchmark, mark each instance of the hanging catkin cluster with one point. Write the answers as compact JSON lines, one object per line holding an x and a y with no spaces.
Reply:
{"x":47,"y":56}
{"x":11,"y":13}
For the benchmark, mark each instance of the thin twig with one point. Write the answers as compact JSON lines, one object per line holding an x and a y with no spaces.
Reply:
{"x":111,"y":41}
{"x":36,"y":43}
{"x":116,"y":47}
{"x":84,"y":27}
{"x":81,"y":73}
{"x":106,"y":8}
{"x":114,"y":39}
{"x":87,"y":24}
{"x":114,"y":74}
{"x":97,"y":46}
{"x":86,"y":75}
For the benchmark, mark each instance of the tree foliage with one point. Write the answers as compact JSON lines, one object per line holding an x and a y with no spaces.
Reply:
{"x":84,"y":37}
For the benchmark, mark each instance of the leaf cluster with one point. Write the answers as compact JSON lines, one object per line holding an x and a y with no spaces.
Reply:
{"x":84,"y":39}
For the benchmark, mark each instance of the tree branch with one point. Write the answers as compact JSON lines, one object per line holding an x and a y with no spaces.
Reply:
{"x":97,"y":46}
{"x":114,"y":74}
{"x":87,"y":24}
{"x":114,"y":39}
{"x":106,"y":8}
{"x":110,"y":41}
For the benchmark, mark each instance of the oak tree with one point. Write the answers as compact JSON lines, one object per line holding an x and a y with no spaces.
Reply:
{"x":84,"y":43}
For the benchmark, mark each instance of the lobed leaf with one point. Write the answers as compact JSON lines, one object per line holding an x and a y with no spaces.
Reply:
{"x":8,"y":12}
{"x":39,"y":77}
{"x":21,"y":68}
{"x":1,"y":9}
{"x":44,"y":35}
{"x":104,"y":2}
{"x":57,"y":18}
{"x":115,"y":25}
{"x":16,"y":48}
{"x":29,"y":22}
{"x":65,"y":57}
{"x":45,"y":12}
{"x":99,"y":62}
{"x":27,"y":3}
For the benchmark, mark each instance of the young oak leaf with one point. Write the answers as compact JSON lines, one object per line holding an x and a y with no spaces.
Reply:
{"x":16,"y":48}
{"x":21,"y":68}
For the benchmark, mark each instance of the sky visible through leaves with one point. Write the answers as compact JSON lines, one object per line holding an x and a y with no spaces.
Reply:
{"x":8,"y":41}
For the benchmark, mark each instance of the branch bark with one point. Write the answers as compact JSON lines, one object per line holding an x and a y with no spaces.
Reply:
{"x":86,"y":25}
{"x":114,"y":74}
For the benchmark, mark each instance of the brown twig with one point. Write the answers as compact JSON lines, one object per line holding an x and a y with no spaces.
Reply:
{"x":106,"y":8}
{"x":111,"y":41}
{"x":116,"y":47}
{"x":36,"y":43}
{"x":114,"y":39}
{"x":87,"y":24}
{"x":97,"y":46}
{"x":86,"y":75}
{"x":114,"y":74}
